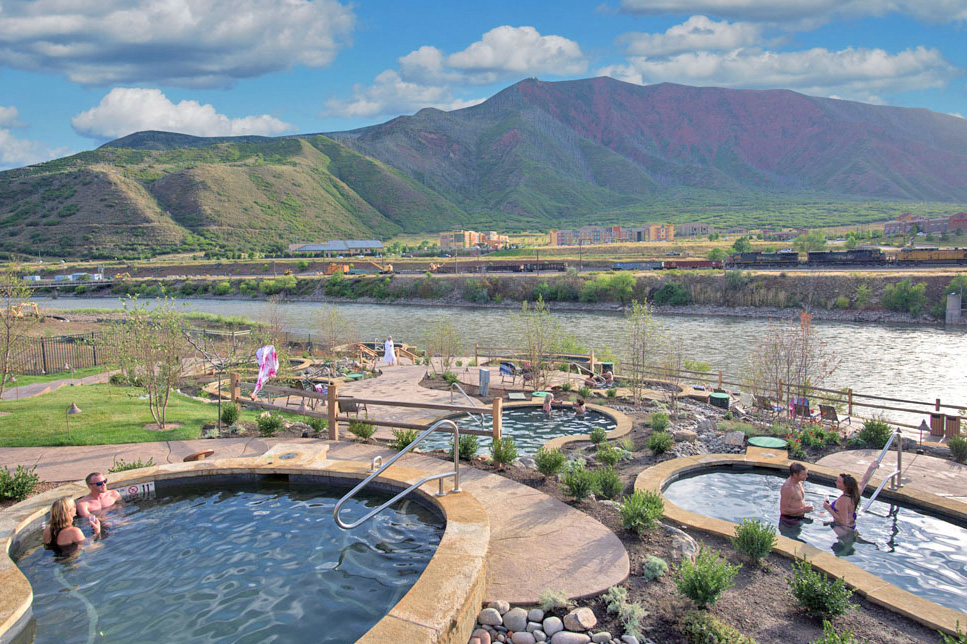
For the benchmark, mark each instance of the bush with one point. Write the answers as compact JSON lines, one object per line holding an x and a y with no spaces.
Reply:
{"x":584,"y":392}
{"x":598,"y":435}
{"x":706,"y":579}
{"x":223,"y":288}
{"x":578,"y":481}
{"x":958,"y":448}
{"x":403,"y":437}
{"x":449,"y":377}
{"x":120,"y":465}
{"x":608,"y":454}
{"x":551,"y":599}
{"x":830,"y":636}
{"x":875,"y":433}
{"x":671,"y":294}
{"x":653,"y":568}
{"x":905,"y":296}
{"x":702,"y":628}
{"x":270,"y":424}
{"x":816,"y":593}
{"x":361,"y":429}
{"x":630,"y":614}
{"x":659,"y":421}
{"x":549,"y":461}
{"x":660,"y":442}
{"x":612,"y":393}
{"x":18,"y":485}
{"x":754,"y":539}
{"x":641,"y":510}
{"x":959,"y":638}
{"x":318,"y":425}
{"x":842,"y":302}
{"x":230,"y":413}
{"x":503,"y":451}
{"x":566,"y":387}
{"x":608,"y":483}
{"x":469,"y":446}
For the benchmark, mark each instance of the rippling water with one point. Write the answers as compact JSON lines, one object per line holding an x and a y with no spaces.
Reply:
{"x":263,"y":564}
{"x":922,"y":554}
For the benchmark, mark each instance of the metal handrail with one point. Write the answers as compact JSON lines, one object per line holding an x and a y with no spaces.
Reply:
{"x":894,"y":477}
{"x":473,"y":403}
{"x":433,"y":477}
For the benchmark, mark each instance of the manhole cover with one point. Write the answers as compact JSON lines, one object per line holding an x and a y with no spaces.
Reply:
{"x":770,"y":442}
{"x":288,"y":456}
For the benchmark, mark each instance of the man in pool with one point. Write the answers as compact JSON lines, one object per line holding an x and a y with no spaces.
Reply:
{"x":792,"y":498}
{"x":100,"y":498}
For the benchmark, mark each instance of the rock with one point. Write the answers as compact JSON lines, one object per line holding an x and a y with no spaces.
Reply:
{"x":629,"y":639}
{"x":686,"y":435}
{"x":683,"y":545}
{"x":474,"y":640}
{"x":603,"y":636}
{"x":501,"y":606}
{"x":566,"y":637}
{"x":522,"y":637}
{"x":515,"y":619}
{"x":535,"y":615}
{"x":533,"y":626}
{"x":734,"y":439}
{"x":490,"y":616}
{"x":501,"y":637}
{"x":539,"y":636}
{"x":552,"y":625}
{"x":482,"y":635}
{"x":580,"y":619}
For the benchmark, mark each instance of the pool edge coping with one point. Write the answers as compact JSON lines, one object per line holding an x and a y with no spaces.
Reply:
{"x":875,"y":589}
{"x":440,"y":608}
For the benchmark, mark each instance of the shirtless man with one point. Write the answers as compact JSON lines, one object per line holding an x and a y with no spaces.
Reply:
{"x":100,"y":497}
{"x":792,"y":505}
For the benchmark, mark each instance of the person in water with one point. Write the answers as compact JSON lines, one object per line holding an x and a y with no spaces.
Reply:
{"x":548,"y":401}
{"x":580,"y":407}
{"x":792,"y":498}
{"x":99,"y":498}
{"x":61,"y":535}
{"x":843,"y":509}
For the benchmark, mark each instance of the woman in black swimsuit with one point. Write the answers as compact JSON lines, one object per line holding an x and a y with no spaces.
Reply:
{"x":61,"y":535}
{"x":843,"y":509}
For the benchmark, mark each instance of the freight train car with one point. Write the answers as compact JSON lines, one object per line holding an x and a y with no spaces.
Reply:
{"x":857,"y":257}
{"x":932,"y":257}
{"x":752,"y":260}
{"x":635,"y":266}
{"x":692,"y":263}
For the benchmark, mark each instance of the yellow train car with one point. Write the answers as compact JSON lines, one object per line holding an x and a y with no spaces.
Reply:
{"x":932,"y":256}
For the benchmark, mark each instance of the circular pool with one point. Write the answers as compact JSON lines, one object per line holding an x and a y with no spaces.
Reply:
{"x":256,"y":562}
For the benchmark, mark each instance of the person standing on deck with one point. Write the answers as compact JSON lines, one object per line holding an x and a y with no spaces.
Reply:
{"x":389,"y":352}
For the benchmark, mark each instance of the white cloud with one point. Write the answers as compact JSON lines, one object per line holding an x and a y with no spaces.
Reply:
{"x":126,"y":110}
{"x":519,"y":50}
{"x":696,"y":33}
{"x":391,"y":94}
{"x":938,"y":11}
{"x":16,"y":152}
{"x":9,"y":117}
{"x":857,"y":74}
{"x":176,"y":42}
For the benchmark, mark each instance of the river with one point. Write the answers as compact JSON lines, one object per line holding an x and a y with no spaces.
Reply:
{"x":913,"y":362}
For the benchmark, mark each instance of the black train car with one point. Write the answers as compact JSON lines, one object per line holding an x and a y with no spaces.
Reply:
{"x":746,"y":260}
{"x":857,"y":257}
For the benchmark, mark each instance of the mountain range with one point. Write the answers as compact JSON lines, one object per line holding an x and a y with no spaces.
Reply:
{"x":534,"y":156}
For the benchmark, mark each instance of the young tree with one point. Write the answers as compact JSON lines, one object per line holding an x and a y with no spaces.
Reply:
{"x":335,"y":329}
{"x":644,"y":337}
{"x":15,"y":321}
{"x":538,"y":333}
{"x":223,"y":355}
{"x":742,"y":245}
{"x":442,"y":340}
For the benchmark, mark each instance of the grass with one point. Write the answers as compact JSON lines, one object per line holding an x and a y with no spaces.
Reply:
{"x":50,"y":377}
{"x":104,"y":419}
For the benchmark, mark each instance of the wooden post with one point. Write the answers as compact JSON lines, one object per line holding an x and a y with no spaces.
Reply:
{"x":476,"y":354}
{"x":720,"y":379}
{"x":849,"y":398}
{"x":498,"y":421}
{"x":234,"y":391}
{"x":332,"y":410}
{"x":591,"y":360}
{"x":397,"y":351}
{"x":938,"y":405}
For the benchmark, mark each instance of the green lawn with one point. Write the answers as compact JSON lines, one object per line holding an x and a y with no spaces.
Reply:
{"x":115,"y":416}
{"x":61,"y":375}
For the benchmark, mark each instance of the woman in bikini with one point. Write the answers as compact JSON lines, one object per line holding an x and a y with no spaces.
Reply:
{"x":61,"y":535}
{"x":843,"y":509}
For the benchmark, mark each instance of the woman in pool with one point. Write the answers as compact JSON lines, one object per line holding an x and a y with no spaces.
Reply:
{"x":61,"y":535}
{"x":548,"y":401}
{"x":843,"y":509}
{"x":580,"y":407}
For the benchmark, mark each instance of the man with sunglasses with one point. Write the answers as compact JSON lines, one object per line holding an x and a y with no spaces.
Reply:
{"x":100,"y":497}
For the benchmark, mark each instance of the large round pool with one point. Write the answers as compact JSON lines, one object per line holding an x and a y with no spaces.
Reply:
{"x":919,"y":552}
{"x":255,"y":563}
{"x":529,"y":426}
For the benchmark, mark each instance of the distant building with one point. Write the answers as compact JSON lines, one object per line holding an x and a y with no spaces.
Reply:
{"x":696,"y":229}
{"x":32,"y":278}
{"x":470,"y":238}
{"x":905,"y":224}
{"x":589,"y":235}
{"x":341,"y":247}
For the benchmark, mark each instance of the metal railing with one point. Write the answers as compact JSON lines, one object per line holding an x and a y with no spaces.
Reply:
{"x":893,"y":477}
{"x":433,"y":477}
{"x":470,"y":400}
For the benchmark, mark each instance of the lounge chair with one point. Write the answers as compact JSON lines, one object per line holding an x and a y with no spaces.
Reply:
{"x":828,"y":414}
{"x":351,"y":407}
{"x":799,"y":408}
{"x":767,"y":405}
{"x":509,"y":369}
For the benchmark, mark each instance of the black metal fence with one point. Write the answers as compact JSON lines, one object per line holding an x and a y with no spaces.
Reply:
{"x":38,"y":356}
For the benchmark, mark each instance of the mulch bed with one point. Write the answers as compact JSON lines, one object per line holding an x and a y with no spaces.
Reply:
{"x":43,"y":486}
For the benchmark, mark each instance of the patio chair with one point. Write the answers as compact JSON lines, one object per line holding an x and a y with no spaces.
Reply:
{"x":509,"y":369}
{"x":828,"y":414}
{"x":767,"y":405}
{"x":801,"y":411}
{"x":352,"y":407}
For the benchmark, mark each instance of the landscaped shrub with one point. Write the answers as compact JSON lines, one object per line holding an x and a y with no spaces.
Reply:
{"x":608,"y":483}
{"x":958,"y":448}
{"x":653,"y":568}
{"x":551,"y":599}
{"x":754,"y":539}
{"x":270,"y":424}
{"x":702,"y":628}
{"x":598,"y":435}
{"x":706,"y":579}
{"x":608,"y":454}
{"x":469,"y":446}
{"x":503,"y":451}
{"x":817,"y":594}
{"x":229,"y":413}
{"x":318,"y":425}
{"x":660,"y":442}
{"x":361,"y":429}
{"x":630,"y":614}
{"x":642,"y":510}
{"x":612,"y":393}
{"x":449,"y":377}
{"x":875,"y":433}
{"x":659,"y":421}
{"x":402,"y":438}
{"x":585,"y":392}
{"x":578,"y":481}
{"x":566,"y":387}
{"x":830,"y":636}
{"x":120,"y":465}
{"x":959,"y":638}
{"x":18,"y":485}
{"x":549,"y":461}
{"x":627,"y":444}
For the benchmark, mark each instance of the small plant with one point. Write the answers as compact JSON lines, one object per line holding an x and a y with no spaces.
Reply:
{"x":402,"y":438}
{"x":18,"y":485}
{"x":230,"y":413}
{"x":727,"y":416}
{"x":754,"y":539}
{"x":503,"y":451}
{"x":120,"y":465}
{"x":875,"y":433}
{"x":612,"y":393}
{"x":549,"y":461}
{"x":608,"y":483}
{"x":598,"y":435}
{"x":459,"y":363}
{"x":653,"y":568}
{"x":578,"y":481}
{"x":959,"y":638}
{"x":361,"y":429}
{"x":584,"y":392}
{"x":551,"y":599}
{"x":449,"y":377}
{"x":641,"y":510}
{"x":660,"y":442}
{"x":566,"y":387}
{"x":659,"y":421}
{"x":318,"y":425}
{"x":706,"y":579}
{"x":630,"y":614}
{"x":817,"y":594}
{"x":608,"y":454}
{"x":627,"y":444}
{"x":270,"y":424}
{"x":830,"y":636}
{"x":469,"y":446}
{"x":958,"y":448}
{"x":702,"y":628}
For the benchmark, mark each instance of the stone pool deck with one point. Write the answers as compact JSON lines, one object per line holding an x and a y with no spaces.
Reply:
{"x":938,"y":476}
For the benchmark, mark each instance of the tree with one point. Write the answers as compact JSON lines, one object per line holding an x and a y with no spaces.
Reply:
{"x":538,"y":333}
{"x":443,"y":340}
{"x":644,"y":334}
{"x":335,"y":329}
{"x":852,"y":240}
{"x":15,"y":321}
{"x":717,"y":254}
{"x":811,"y":241}
{"x":742,"y":245}
{"x":223,"y":354}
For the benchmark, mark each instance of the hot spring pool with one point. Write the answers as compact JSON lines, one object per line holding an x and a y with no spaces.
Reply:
{"x":529,"y":426}
{"x":255,"y":563}
{"x":918,"y":552}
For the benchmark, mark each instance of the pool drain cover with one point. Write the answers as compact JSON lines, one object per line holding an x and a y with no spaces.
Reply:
{"x":288,"y":456}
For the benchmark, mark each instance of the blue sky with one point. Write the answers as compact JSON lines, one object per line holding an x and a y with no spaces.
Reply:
{"x":77,"y":73}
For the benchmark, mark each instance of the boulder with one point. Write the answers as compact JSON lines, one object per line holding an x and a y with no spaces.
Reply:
{"x":501,"y":606}
{"x":523,"y":637}
{"x":685,"y":435}
{"x":482,"y":635}
{"x":535,"y":615}
{"x":515,"y":619}
{"x":552,"y":625}
{"x":580,"y":619}
{"x":490,"y":617}
{"x":682,"y":544}
{"x":567,"y":637}
{"x":734,"y":439}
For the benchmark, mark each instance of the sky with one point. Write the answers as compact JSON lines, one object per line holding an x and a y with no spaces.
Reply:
{"x":77,"y":73}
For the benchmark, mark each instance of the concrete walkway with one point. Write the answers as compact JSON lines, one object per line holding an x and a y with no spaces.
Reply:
{"x":939,"y":476}
{"x":39,"y":388}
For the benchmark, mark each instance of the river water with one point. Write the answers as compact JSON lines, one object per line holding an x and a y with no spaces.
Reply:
{"x":913,"y":362}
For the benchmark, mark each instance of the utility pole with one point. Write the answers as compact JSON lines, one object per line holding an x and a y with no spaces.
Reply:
{"x":580,"y":255}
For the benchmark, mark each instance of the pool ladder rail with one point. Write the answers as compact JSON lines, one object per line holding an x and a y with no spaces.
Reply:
{"x":473,"y":403}
{"x":893,"y":477}
{"x":383,"y":467}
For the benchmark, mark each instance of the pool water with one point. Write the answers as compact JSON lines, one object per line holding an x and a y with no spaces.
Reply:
{"x":918,"y":552}
{"x":529,"y":426}
{"x":250,"y":564}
